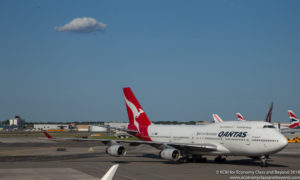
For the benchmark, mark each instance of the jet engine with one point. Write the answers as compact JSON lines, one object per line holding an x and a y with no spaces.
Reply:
{"x":170,"y":154}
{"x":116,"y":150}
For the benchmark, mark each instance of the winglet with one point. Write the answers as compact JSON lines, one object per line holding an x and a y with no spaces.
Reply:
{"x":110,"y":173}
{"x":47,"y":135}
{"x":240,"y":117}
{"x":217,"y":118}
{"x":269,"y":115}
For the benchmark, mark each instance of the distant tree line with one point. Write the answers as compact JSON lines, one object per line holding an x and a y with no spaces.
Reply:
{"x":76,"y":122}
{"x":6,"y":122}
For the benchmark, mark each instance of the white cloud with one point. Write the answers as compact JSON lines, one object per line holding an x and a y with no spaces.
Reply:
{"x":82,"y":25}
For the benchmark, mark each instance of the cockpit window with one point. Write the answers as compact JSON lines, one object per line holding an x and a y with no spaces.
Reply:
{"x":268,"y":126}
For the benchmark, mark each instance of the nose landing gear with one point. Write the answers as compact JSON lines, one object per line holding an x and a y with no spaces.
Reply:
{"x":264,"y":161}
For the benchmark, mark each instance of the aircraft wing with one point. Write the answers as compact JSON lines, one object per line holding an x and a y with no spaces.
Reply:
{"x":158,"y":145}
{"x":179,"y":146}
{"x":194,"y":147}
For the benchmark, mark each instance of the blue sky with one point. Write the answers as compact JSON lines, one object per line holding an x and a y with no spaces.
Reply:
{"x":184,"y":60}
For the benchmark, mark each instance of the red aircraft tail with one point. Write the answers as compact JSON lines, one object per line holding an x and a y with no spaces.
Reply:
{"x":138,"y":119}
{"x":240,"y":117}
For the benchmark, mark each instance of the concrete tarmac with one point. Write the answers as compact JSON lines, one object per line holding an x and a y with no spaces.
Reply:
{"x":40,"y":160}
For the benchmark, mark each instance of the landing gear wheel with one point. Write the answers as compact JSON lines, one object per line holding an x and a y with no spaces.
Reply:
{"x":264,"y":161}
{"x":219,"y":159}
{"x":203,"y":160}
{"x":264,"y":164}
{"x":191,"y":160}
{"x":182,"y":160}
{"x":200,"y":159}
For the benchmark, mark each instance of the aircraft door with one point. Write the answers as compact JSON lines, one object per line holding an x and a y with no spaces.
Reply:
{"x":247,"y":141}
{"x":222,"y":140}
{"x":193,"y":138}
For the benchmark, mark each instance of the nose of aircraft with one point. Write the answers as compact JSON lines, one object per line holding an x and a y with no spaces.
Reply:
{"x":283,"y":142}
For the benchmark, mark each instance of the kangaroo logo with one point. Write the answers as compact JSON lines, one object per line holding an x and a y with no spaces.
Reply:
{"x":136,"y":113}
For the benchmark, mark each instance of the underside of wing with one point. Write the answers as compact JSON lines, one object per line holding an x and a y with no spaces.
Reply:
{"x":159,"y":145}
{"x":194,"y":147}
{"x":179,"y":146}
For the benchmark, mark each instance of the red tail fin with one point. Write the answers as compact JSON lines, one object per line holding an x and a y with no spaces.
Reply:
{"x":48,"y":136}
{"x":240,"y":117}
{"x":138,"y":119}
{"x":217,"y":119}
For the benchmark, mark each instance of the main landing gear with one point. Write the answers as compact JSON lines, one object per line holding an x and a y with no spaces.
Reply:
{"x":219,"y":159}
{"x":196,"y":159}
{"x":264,"y":161}
{"x":192,"y":159}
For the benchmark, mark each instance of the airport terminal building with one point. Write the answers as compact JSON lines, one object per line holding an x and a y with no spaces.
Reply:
{"x":45,"y":127}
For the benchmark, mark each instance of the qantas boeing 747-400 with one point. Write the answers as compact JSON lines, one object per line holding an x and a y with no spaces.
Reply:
{"x":183,"y":143}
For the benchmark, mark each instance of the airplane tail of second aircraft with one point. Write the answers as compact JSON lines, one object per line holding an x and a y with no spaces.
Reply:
{"x":294,"y":119}
{"x":269,"y":114}
{"x":217,"y":118}
{"x":240,"y":117}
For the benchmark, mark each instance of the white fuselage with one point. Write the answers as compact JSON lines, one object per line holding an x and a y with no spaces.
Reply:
{"x":249,"y":138}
